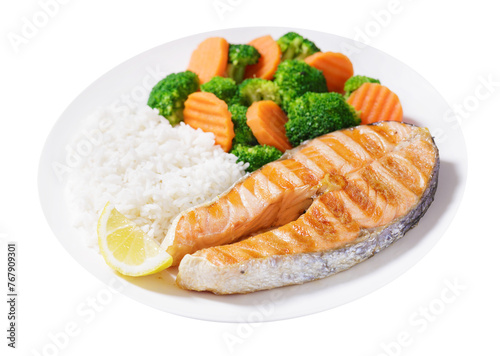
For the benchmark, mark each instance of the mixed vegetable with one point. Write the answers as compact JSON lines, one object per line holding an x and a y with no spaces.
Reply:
{"x":265,"y":97}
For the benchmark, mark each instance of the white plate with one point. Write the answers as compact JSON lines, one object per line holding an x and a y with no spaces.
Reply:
{"x":131,"y":80}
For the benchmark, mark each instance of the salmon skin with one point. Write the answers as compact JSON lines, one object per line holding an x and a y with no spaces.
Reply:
{"x":281,"y":191}
{"x":378,"y":181}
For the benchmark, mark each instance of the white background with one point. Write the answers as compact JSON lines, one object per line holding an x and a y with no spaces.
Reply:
{"x":453,"y":44}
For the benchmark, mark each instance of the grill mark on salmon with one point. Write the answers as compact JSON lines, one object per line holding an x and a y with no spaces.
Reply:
{"x":393,"y":191}
{"x":281,"y":191}
{"x":280,"y":175}
{"x":337,"y":163}
{"x":364,"y":204}
{"x":405,"y":172}
{"x":373,"y":142}
{"x":420,"y":156}
{"x":389,"y":135}
{"x":307,"y":159}
{"x":355,"y":216}
{"x":351,"y":150}
{"x":316,"y":153}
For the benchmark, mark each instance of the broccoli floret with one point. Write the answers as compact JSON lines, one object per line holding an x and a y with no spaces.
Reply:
{"x":224,"y":88}
{"x":257,"y":89}
{"x":355,"y":82}
{"x":294,"y":46}
{"x":256,"y":156}
{"x":295,"y":78}
{"x":316,"y":114}
{"x":240,"y":55}
{"x":242,"y":133}
{"x":170,"y":93}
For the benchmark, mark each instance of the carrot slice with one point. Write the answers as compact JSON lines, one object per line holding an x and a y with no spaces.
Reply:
{"x":267,"y":122}
{"x":203,"y":110}
{"x":336,"y":67}
{"x":270,"y":54}
{"x":209,"y":59}
{"x":375,"y":103}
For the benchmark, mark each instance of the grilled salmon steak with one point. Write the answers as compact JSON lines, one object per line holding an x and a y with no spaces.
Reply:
{"x":361,"y":189}
{"x":281,"y":191}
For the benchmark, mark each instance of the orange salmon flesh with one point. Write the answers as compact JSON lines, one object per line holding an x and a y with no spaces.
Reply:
{"x":317,"y":197}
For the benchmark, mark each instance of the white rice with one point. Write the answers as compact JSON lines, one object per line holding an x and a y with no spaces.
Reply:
{"x":148,"y":169}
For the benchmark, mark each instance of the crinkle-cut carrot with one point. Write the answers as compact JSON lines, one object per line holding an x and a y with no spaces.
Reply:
{"x":203,"y":110}
{"x":336,"y":68}
{"x":267,"y":122}
{"x":375,"y":103}
{"x":209,"y":59}
{"x":270,"y":54}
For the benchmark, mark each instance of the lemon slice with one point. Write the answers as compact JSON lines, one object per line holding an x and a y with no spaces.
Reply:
{"x":126,"y":248}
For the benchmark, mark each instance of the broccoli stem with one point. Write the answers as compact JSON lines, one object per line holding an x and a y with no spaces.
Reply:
{"x":176,"y":117}
{"x":237,"y":72}
{"x":291,"y":50}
